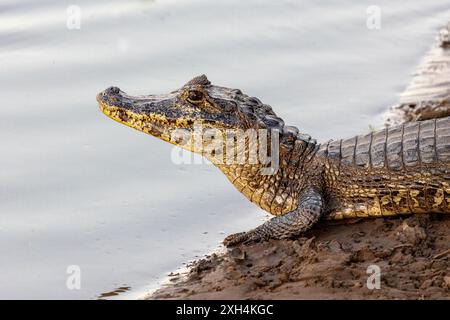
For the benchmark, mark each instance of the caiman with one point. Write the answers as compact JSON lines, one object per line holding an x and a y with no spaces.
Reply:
{"x":398,"y":170}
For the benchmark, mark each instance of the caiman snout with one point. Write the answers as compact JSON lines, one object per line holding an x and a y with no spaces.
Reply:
{"x":108,"y":93}
{"x":112,"y":90}
{"x":112,"y":96}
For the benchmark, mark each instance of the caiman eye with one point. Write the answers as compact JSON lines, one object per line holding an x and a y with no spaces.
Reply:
{"x":195,"y":96}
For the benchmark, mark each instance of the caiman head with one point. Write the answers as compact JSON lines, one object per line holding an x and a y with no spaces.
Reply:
{"x":197,"y":103}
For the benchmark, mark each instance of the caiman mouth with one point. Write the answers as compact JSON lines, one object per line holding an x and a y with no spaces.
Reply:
{"x":143,"y":113}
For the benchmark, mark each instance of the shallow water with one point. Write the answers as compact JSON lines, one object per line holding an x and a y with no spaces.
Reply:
{"x":78,"y":189}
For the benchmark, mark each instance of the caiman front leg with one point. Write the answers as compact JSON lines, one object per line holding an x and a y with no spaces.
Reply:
{"x":293,"y":223}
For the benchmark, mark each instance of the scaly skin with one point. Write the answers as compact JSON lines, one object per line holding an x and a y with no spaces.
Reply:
{"x":399,"y":170}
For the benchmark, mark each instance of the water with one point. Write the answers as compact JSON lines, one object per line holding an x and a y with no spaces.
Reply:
{"x":78,"y":189}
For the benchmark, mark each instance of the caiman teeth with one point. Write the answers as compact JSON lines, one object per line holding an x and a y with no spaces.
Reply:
{"x":151,"y":124}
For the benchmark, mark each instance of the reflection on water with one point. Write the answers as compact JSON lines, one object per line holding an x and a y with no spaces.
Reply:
{"x":114,"y":293}
{"x":79,"y":189}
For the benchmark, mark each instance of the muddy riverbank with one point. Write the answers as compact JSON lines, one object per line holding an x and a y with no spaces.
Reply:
{"x":329,"y":262}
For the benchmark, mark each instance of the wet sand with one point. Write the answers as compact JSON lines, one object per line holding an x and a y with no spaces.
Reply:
{"x":329,"y":262}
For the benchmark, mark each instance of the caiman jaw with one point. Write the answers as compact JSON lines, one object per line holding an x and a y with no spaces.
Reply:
{"x":145,"y":114}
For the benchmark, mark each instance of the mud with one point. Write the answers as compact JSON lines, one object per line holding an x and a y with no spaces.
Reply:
{"x":329,"y":262}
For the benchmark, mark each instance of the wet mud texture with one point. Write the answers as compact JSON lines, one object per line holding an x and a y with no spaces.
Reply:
{"x":329,"y":262}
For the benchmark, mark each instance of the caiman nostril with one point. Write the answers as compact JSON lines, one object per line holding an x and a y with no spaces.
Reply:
{"x":112,"y":90}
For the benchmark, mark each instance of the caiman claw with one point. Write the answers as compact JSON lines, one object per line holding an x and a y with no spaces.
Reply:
{"x":241,"y":237}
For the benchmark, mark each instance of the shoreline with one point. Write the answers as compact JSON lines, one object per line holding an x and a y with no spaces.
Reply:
{"x":329,"y":262}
